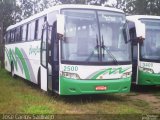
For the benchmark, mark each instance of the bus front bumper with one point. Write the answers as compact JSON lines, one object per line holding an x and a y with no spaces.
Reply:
{"x":78,"y":87}
{"x":148,"y":78}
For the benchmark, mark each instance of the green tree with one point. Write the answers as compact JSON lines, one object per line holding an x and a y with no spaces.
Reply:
{"x":93,"y":2}
{"x":97,"y":2}
{"x":30,"y":7}
{"x":136,"y":6}
{"x":8,"y":11}
{"x":73,"y":1}
{"x":43,"y":4}
{"x":27,"y":8}
{"x":120,"y":4}
{"x":148,"y":7}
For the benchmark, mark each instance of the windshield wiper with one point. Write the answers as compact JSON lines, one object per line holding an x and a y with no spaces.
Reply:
{"x":108,"y":51}
{"x":96,"y":48}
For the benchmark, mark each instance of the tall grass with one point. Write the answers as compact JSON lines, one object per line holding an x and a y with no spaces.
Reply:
{"x":18,"y":96}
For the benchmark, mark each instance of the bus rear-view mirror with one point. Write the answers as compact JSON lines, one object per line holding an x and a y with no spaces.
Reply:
{"x":141,"y":30}
{"x":60,"y":24}
{"x":126,"y":33}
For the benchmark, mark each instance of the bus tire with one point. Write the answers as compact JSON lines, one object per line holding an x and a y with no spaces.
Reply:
{"x":39,"y":77}
{"x":12,"y":70}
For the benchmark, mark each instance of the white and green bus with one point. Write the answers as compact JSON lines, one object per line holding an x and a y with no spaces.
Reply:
{"x":145,"y":50}
{"x":71,"y":50}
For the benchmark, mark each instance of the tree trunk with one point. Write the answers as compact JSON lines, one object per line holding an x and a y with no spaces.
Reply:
{"x":1,"y":45}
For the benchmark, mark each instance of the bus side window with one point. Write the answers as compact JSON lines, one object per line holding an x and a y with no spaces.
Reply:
{"x":24,"y":32}
{"x":31,"y":29}
{"x":17,"y":34}
{"x":27,"y":32}
{"x":8,"y":37}
{"x":40,"y":27}
{"x":21,"y":33}
{"x":54,"y":37}
{"x":36,"y":29}
{"x":12,"y":38}
{"x":44,"y":49}
{"x":51,"y":18}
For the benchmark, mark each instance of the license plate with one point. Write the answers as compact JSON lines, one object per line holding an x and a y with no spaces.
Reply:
{"x":101,"y":88}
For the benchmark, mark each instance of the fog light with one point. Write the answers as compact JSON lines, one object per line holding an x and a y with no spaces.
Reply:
{"x":126,"y":75}
{"x":147,"y":70}
{"x":70,"y":75}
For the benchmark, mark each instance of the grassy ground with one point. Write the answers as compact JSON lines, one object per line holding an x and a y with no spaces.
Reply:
{"x":18,"y":96}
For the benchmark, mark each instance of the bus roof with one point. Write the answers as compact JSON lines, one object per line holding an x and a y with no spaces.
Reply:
{"x":137,"y":17}
{"x":59,"y":7}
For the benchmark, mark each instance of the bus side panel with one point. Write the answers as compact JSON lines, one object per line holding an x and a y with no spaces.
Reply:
{"x":25,"y":58}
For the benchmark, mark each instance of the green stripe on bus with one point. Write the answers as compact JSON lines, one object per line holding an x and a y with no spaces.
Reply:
{"x":24,"y":64}
{"x":110,"y":71}
{"x":98,"y":74}
{"x":7,"y":53}
{"x":13,"y":58}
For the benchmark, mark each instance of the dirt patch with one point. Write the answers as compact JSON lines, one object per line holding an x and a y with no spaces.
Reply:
{"x":153,"y":101}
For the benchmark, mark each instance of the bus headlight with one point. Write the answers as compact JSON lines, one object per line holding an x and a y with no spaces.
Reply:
{"x":126,"y":75}
{"x":148,"y":70}
{"x":70,"y":75}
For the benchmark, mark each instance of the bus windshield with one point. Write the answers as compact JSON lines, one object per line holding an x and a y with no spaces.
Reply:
{"x":94,"y":37}
{"x":151,"y":46}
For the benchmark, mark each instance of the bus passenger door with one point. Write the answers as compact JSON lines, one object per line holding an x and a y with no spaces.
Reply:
{"x":47,"y":59}
{"x":55,"y":59}
{"x":44,"y":59}
{"x":134,"y":49}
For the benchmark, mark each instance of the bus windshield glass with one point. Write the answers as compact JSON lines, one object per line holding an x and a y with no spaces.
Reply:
{"x":94,"y":37}
{"x":151,"y":45}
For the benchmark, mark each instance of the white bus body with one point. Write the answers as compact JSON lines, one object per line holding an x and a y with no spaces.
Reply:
{"x":145,"y":53}
{"x":72,"y":55}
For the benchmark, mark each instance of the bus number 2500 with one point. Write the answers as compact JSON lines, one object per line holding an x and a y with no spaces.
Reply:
{"x":70,"y":68}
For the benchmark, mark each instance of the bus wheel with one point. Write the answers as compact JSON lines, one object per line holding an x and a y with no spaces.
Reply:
{"x":12,"y":70}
